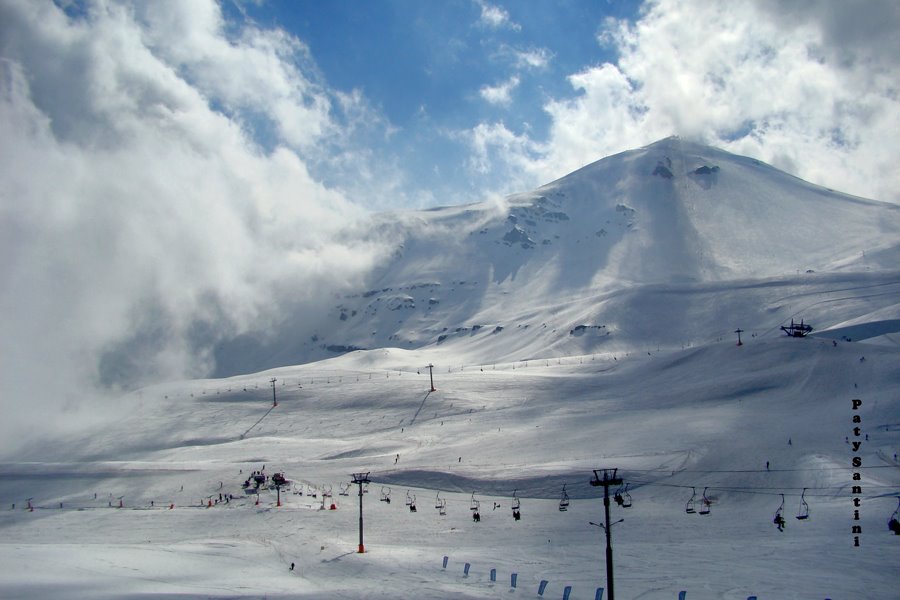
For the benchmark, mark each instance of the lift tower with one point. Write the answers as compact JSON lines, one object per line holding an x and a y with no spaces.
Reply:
{"x":606,"y":478}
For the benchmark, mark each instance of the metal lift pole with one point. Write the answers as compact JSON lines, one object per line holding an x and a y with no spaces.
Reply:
{"x":360,"y":479}
{"x":607,"y":479}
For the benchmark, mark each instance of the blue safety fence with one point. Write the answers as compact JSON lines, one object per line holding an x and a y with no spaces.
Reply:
{"x":544,"y":585}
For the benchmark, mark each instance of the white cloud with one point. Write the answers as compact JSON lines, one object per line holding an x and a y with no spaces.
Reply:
{"x":141,"y":221}
{"x":496,"y":17}
{"x":268,"y":73}
{"x":792,"y":87}
{"x":499,"y":152}
{"x":534,"y":58}
{"x":500,"y":94}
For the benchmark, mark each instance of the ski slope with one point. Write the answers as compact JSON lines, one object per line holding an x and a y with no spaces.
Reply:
{"x":590,"y":324}
{"x":709,"y":416}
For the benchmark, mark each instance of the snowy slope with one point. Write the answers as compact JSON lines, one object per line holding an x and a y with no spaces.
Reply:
{"x":709,"y":416}
{"x":587,"y":352}
{"x":670,"y":229}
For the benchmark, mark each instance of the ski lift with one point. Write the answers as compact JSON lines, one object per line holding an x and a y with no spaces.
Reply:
{"x":365,"y":488}
{"x":779,"y":516}
{"x":564,"y":500}
{"x":515,"y":501}
{"x":409,"y":499}
{"x":689,"y":507}
{"x":704,"y":504}
{"x":311,"y":491}
{"x":803,"y":514}
{"x":386,"y":494}
{"x":326,"y":490}
{"x":345,"y":489}
{"x":475,"y":504}
{"x":622,"y":497}
{"x":412,"y":504}
{"x":894,"y":521}
{"x":437,"y":500}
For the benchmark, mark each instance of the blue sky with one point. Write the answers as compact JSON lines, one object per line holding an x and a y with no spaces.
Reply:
{"x":434,"y":69}
{"x":434,"y":57}
{"x":460,"y":100}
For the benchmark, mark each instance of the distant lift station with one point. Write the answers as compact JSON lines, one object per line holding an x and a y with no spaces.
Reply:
{"x":798,"y":330}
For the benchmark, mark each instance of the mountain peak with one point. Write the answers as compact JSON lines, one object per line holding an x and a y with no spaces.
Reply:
{"x":571,"y":266}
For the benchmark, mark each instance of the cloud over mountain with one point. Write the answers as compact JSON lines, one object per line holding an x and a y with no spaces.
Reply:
{"x":141,"y":220}
{"x":780,"y":83}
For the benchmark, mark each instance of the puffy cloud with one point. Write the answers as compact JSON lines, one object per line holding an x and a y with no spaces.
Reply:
{"x":496,"y":17}
{"x":509,"y":157}
{"x":141,"y":220}
{"x":804,"y":87}
{"x":252,"y":74}
{"x":500,"y":94}
{"x":533,"y":58}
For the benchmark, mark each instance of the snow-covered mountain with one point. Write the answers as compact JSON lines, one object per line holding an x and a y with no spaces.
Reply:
{"x":587,"y":325}
{"x":576,"y":266}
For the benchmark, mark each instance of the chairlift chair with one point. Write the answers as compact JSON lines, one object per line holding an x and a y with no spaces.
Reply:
{"x":803,"y":514}
{"x":385,"y":494}
{"x":894,"y":521}
{"x":617,"y":496}
{"x":475,"y":504}
{"x":779,"y":516}
{"x":412,"y":504}
{"x":442,"y":509}
{"x":626,"y":498}
{"x":704,"y":504}
{"x":311,"y":491}
{"x":689,"y":507}
{"x":437,"y":500}
{"x":564,"y":501}
{"x":345,"y":489}
{"x":516,"y":504}
{"x":326,"y":491}
{"x":409,"y":499}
